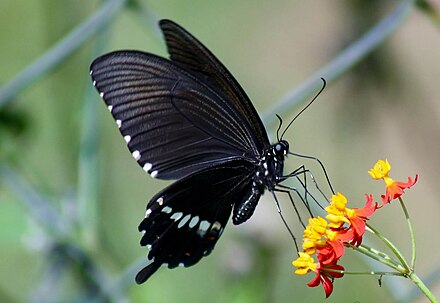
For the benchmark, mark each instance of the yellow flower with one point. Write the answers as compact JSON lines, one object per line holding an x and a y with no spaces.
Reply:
{"x":313,"y":234}
{"x":380,"y":170}
{"x":305,"y":263}
{"x":316,"y":228}
{"x":337,"y":211}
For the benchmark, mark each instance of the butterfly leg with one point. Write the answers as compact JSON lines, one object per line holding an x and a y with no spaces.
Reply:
{"x":282,"y":217}
{"x":303,"y":171}
{"x":320,"y":164}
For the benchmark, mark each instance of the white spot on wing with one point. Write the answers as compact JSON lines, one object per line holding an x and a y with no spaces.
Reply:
{"x":110,"y":108}
{"x":194,"y":221}
{"x":136,"y":155}
{"x":167,"y":210}
{"x":94,"y":82}
{"x":183,"y":221}
{"x":154,"y":173}
{"x":160,"y":201}
{"x":176,"y":216}
{"x":147,"y":213}
{"x":203,"y":227}
{"x":91,"y":72}
{"x":101,"y":94}
{"x":127,"y":138}
{"x":119,"y":123}
{"x":147,"y":167}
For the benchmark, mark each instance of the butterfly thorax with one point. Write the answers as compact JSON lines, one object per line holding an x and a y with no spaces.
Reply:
{"x":268,"y":173}
{"x":270,"y":167}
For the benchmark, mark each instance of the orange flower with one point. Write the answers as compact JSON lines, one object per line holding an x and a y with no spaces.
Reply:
{"x":394,"y":189}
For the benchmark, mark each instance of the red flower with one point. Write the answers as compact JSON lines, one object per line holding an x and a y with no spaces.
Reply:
{"x":334,"y":248}
{"x":325,"y":277}
{"x":358,"y":218}
{"x":395,"y":189}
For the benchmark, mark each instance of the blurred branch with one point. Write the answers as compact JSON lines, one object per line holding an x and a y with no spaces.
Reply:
{"x":61,"y":236}
{"x":122,"y":283}
{"x":342,"y":62}
{"x":36,"y":204}
{"x":60,"y":51}
{"x":88,"y":169}
{"x":88,"y":162}
{"x":147,"y":15}
{"x":431,"y":9}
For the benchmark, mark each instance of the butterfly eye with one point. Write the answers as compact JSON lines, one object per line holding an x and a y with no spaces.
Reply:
{"x":281,"y":148}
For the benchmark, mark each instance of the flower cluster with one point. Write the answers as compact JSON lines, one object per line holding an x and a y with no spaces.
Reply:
{"x":342,"y":226}
{"x":394,"y":189}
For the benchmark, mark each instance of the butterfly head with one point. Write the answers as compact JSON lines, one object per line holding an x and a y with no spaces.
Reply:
{"x":281,"y":148}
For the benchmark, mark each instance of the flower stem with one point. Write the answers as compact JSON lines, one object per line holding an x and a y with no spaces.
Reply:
{"x":411,"y":231}
{"x":423,"y":287}
{"x":393,"y":248}
{"x":375,"y":273}
{"x":374,"y":255}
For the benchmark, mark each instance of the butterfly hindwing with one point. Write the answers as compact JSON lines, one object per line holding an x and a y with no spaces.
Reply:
{"x":174,"y":124}
{"x":184,"y":221}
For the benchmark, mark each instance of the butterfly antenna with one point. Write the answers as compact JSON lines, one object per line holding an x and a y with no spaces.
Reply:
{"x":324,"y":83}
{"x":279,"y":126}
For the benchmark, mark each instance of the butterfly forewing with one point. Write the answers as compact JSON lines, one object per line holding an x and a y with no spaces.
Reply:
{"x":190,"y":53}
{"x":174,"y":123}
{"x":184,"y":221}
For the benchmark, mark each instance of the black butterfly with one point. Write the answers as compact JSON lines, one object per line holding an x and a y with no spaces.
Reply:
{"x":187,"y":118}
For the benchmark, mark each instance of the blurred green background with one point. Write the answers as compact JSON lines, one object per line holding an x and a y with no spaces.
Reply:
{"x":71,"y":196}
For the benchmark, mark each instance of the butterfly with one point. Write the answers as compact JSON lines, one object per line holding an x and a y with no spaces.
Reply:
{"x":187,"y":119}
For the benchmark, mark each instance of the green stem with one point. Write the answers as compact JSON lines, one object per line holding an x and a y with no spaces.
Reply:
{"x":393,"y":248}
{"x":60,"y":51}
{"x":342,"y":62}
{"x":358,"y":273}
{"x":411,"y":231}
{"x":423,"y":287}
{"x":381,"y":255}
{"x":386,"y":261}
